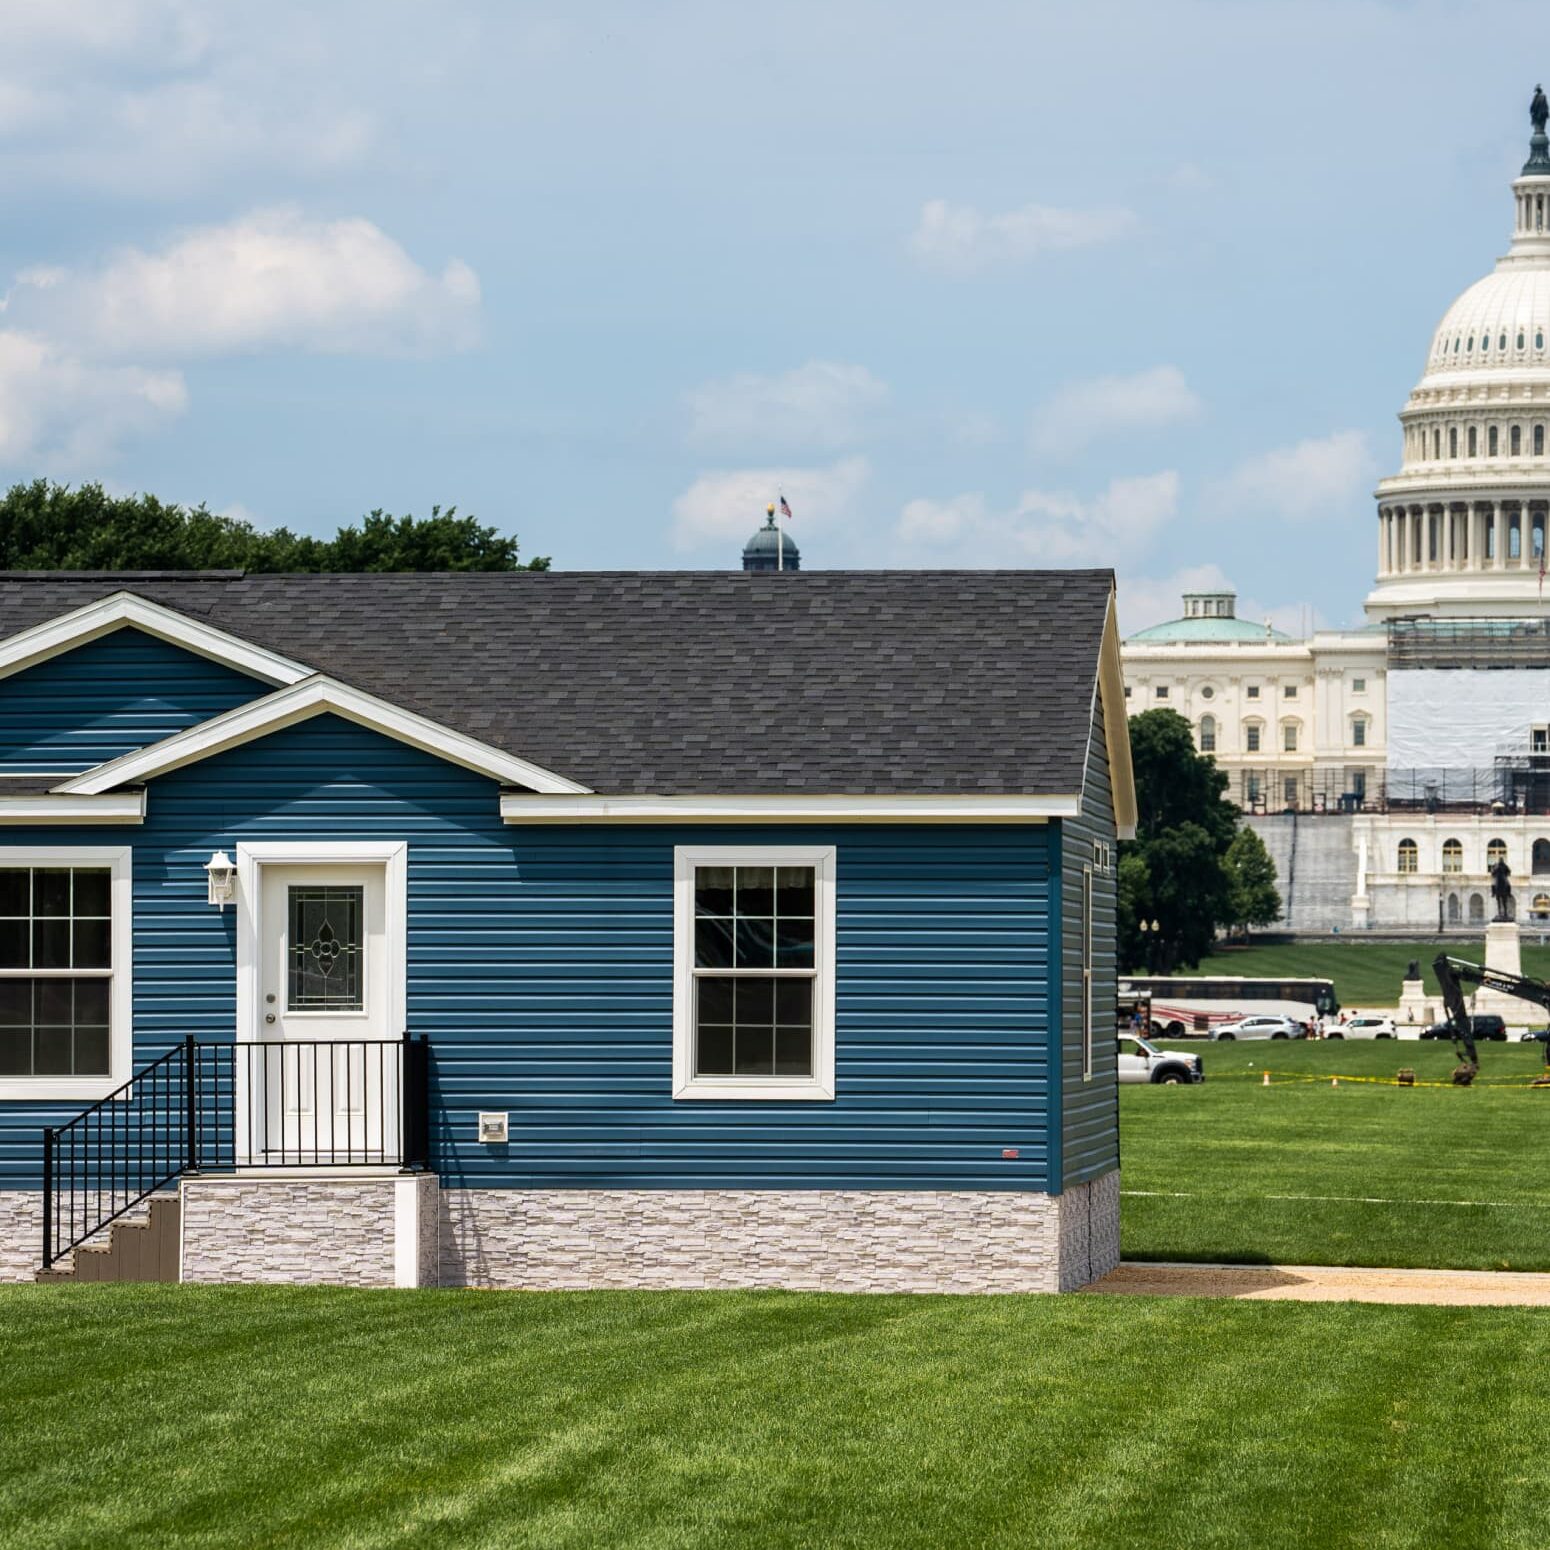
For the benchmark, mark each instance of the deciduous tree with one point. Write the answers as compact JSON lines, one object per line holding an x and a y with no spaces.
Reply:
{"x":47,"y":526}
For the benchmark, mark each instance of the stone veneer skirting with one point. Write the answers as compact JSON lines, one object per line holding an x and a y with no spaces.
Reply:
{"x":807,"y":1240}
{"x":389,"y":1230}
{"x":21,"y":1234}
{"x":333,"y":1230}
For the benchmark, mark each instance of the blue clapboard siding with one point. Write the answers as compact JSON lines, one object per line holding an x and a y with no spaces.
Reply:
{"x":1089,"y":1125}
{"x":93,"y":704}
{"x":540,"y":965}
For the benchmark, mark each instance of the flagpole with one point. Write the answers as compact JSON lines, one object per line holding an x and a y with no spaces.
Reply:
{"x":780,"y":538}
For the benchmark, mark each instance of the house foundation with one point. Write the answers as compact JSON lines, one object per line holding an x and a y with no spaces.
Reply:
{"x":798,"y":1240}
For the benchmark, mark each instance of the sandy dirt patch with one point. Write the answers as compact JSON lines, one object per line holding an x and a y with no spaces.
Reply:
{"x":1323,"y":1283}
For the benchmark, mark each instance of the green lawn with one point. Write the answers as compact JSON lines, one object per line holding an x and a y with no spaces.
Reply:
{"x":1362,"y":1174}
{"x":169,"y":1416}
{"x":1366,"y":974}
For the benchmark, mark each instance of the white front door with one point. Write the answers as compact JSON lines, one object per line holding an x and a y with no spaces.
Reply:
{"x":322,"y":1076}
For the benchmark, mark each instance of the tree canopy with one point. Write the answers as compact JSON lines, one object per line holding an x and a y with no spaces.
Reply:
{"x":1181,"y":870}
{"x":46,"y":526}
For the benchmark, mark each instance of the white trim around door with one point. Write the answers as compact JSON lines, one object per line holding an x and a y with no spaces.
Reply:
{"x":251,"y":857}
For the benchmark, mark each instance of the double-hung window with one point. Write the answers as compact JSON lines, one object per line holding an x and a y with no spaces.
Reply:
{"x":64,"y":971}
{"x":753,"y":983}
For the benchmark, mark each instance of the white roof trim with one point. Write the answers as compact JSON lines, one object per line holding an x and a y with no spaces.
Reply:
{"x":910,"y":807}
{"x":316,"y":696}
{"x":54,"y":807}
{"x":1116,"y":725}
{"x":122,"y":609}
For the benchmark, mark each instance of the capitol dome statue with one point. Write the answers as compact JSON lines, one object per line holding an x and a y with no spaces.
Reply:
{"x":1462,"y":525}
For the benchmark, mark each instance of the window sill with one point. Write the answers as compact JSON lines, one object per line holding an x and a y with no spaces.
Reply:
{"x":44,"y":1089}
{"x":755,"y":1089}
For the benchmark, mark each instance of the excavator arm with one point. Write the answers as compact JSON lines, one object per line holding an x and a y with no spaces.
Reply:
{"x":1452,"y":974}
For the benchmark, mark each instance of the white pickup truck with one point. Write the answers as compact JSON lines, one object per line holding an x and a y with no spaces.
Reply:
{"x":1141,"y":1061}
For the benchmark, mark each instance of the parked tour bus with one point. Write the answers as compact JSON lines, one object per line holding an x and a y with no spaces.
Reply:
{"x":1193,"y":1004}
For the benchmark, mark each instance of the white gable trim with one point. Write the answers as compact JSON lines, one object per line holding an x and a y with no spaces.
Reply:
{"x":315,"y":696}
{"x":910,"y":807}
{"x":124,"y":609}
{"x":1116,"y":725}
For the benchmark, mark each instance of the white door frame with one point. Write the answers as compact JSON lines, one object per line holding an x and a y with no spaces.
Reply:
{"x":392,"y":855}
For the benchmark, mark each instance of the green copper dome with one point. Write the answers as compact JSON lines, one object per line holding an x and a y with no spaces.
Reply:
{"x":1206,"y":632}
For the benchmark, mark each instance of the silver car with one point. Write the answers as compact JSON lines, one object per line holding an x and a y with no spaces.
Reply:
{"x":1263,"y":1025}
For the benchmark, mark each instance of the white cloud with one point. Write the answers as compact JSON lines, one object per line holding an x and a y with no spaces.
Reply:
{"x":160,"y":97}
{"x":820,"y":404}
{"x":959,"y":240}
{"x":269,"y":280}
{"x":719,"y":508}
{"x":1319,"y":477}
{"x":58,"y":409}
{"x":1083,"y":411}
{"x":1044,"y":528}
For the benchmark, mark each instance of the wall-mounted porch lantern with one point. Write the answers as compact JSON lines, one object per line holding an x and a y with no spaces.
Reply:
{"x":221,"y":873}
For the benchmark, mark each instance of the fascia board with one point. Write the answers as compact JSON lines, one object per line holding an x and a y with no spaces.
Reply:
{"x":124,"y":609}
{"x":1116,"y":726}
{"x":112,"y":807}
{"x":798,"y":807}
{"x":316,"y":696}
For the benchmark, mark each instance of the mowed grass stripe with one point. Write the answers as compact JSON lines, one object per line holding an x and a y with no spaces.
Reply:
{"x":243,"y":1416}
{"x":1366,"y":1173}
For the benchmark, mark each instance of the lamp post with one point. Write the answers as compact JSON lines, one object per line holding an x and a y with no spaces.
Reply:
{"x":1143,"y":927}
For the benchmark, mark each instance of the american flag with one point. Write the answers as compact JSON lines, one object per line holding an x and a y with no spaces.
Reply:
{"x":785,"y":510}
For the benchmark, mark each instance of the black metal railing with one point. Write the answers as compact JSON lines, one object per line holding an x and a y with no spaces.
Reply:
{"x":205,"y":1107}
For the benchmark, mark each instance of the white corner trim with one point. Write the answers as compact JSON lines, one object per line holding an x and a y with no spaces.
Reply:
{"x":48,"y":807}
{"x":819,"y":1087}
{"x":316,"y":696}
{"x":87,"y":1089}
{"x":407,"y":1228}
{"x":107,"y":614}
{"x":517,"y":807}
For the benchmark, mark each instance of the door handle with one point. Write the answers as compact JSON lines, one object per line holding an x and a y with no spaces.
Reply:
{"x":268,"y":1017}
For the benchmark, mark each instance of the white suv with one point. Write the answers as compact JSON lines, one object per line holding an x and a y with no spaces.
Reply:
{"x":1367,"y":1028}
{"x":1265,"y":1025}
{"x":1140,"y":1061}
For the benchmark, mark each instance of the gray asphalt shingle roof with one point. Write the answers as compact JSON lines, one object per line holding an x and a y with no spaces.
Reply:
{"x":680,"y":682}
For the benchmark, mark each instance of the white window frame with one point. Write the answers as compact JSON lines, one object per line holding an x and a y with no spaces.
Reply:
{"x":820,"y":1085}
{"x":117,"y":858}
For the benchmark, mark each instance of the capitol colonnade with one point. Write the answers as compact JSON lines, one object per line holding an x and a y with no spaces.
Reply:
{"x":1462,"y":537}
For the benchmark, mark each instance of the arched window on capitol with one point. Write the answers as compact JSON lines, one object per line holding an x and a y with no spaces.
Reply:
{"x":1494,"y":852}
{"x":1452,"y":856}
{"x":1409,"y":856}
{"x":1539,"y":858}
{"x":1208,"y":734}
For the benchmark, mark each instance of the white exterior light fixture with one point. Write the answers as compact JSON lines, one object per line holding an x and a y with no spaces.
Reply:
{"x":221,"y":874}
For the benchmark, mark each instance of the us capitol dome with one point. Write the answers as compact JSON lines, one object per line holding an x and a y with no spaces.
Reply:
{"x":1389,"y":765}
{"x":1461,"y":526}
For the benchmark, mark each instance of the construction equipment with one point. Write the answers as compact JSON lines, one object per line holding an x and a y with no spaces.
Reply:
{"x":1451,"y":974}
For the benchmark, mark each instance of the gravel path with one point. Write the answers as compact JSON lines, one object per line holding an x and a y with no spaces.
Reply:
{"x":1325,"y":1283}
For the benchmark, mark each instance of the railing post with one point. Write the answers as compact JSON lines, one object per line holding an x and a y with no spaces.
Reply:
{"x":190,"y":1105}
{"x":406,"y":1102}
{"x":48,"y":1197}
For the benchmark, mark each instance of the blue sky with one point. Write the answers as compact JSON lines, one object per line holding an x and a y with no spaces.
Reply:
{"x":1129,"y":284}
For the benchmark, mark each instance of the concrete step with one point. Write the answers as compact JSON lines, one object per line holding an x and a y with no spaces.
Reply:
{"x":141,"y":1245}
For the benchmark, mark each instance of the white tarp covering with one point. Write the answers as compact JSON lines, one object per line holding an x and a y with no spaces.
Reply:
{"x":1456,"y":718}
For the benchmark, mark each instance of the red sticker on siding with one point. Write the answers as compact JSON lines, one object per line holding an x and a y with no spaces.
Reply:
{"x":1009,"y":1152}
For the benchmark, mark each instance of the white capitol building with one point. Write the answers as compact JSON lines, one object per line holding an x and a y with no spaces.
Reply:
{"x":1388,"y":765}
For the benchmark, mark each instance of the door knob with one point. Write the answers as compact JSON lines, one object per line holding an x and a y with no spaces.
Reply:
{"x":268,"y":1017}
